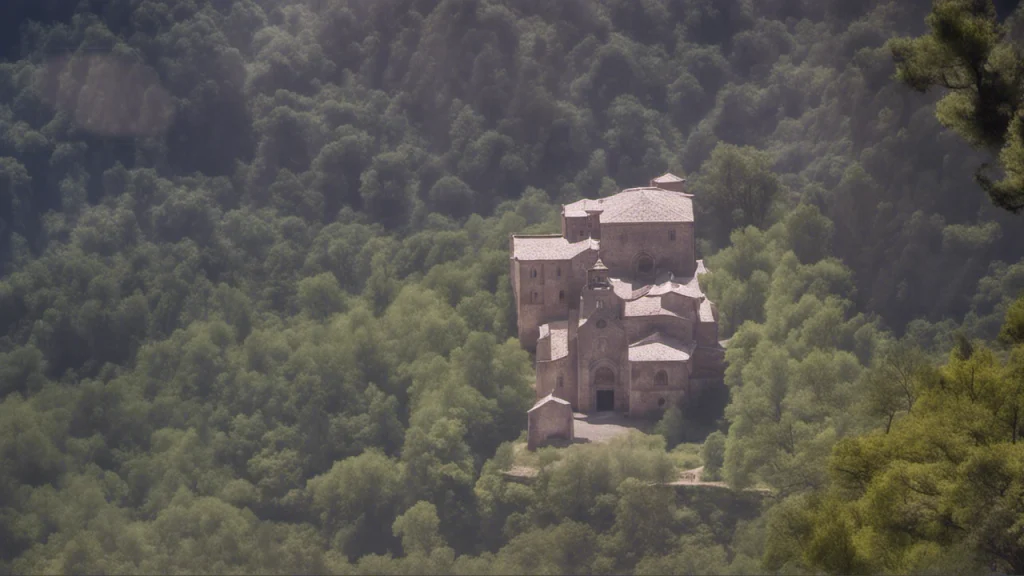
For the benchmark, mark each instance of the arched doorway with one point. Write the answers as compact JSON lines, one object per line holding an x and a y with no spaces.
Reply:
{"x":604,"y":386}
{"x":644,"y":265}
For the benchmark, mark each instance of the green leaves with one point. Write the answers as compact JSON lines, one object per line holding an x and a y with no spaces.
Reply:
{"x":968,"y":54}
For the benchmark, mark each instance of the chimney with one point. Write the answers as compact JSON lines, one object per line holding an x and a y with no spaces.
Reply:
{"x":669,"y":181}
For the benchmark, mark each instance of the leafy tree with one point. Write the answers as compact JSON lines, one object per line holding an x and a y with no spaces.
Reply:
{"x":968,"y":54}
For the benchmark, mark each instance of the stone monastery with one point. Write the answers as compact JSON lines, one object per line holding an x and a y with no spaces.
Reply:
{"x":612,"y":306}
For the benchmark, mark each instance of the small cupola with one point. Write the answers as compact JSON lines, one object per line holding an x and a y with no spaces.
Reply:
{"x":669,"y":181}
{"x":597,"y":276}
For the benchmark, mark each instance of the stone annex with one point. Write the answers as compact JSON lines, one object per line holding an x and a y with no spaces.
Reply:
{"x":612,"y":306}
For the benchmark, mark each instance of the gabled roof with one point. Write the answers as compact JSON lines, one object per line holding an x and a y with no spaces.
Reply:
{"x":549,"y":247}
{"x":547,"y":400}
{"x":639,"y":205}
{"x":660,"y":348}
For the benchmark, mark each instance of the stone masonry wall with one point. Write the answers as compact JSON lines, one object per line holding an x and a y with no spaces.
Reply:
{"x":621,"y":243}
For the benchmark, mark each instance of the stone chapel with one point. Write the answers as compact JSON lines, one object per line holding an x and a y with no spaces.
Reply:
{"x":612,"y":306}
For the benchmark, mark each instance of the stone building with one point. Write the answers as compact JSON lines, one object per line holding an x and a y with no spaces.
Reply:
{"x":612,"y":306}
{"x":551,"y":417}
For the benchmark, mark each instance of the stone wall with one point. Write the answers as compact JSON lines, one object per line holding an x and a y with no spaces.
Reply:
{"x":598,"y":348}
{"x":641,"y":327}
{"x":622,"y":243}
{"x":548,"y":374}
{"x":551,"y":420}
{"x":647,"y":396}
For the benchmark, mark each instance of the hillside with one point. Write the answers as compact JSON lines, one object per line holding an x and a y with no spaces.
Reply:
{"x":255,"y":313}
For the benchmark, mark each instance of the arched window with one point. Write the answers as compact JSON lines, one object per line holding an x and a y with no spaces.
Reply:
{"x":661,"y":378}
{"x":533,"y":273}
{"x":561,"y":295}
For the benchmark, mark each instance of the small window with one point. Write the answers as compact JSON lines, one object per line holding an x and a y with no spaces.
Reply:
{"x":561,"y":296}
{"x":535,"y":297}
{"x":582,"y":233}
{"x":600,"y":304}
{"x":558,"y":272}
{"x":672,"y":235}
{"x":661,"y":379}
{"x":601,"y":324}
{"x":560,"y":382}
{"x":661,"y":402}
{"x":533,"y":273}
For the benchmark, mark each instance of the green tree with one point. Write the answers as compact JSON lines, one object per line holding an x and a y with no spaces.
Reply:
{"x":969,"y":54}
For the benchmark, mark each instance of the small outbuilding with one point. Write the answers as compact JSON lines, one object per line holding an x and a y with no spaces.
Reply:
{"x":551,"y":417}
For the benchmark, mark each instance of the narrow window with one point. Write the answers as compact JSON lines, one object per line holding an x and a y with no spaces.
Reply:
{"x":600,"y":304}
{"x":533,"y":273}
{"x":535,"y":297}
{"x":558,"y":272}
{"x":559,"y":381}
{"x":672,"y":235}
{"x":661,"y":379}
{"x":561,"y":296}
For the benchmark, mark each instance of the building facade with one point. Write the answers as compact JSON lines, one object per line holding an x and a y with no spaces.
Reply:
{"x":612,"y":306}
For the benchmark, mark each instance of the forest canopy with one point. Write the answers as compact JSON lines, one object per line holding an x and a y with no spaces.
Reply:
{"x":255,"y":313}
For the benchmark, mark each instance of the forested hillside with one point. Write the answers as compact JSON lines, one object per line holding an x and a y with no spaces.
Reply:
{"x":255,"y":313}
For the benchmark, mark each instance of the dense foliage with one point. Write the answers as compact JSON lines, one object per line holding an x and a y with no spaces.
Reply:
{"x":255,"y":313}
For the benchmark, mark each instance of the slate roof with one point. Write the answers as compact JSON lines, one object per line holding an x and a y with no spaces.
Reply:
{"x":547,"y":400}
{"x":639,"y":205}
{"x":683,"y":286}
{"x":549,"y":247}
{"x":659,"y":348}
{"x":559,"y":334}
{"x":649,"y":306}
{"x":628,"y":290}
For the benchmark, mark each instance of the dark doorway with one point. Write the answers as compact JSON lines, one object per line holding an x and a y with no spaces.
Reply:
{"x":605,"y":400}
{"x":645,"y":265}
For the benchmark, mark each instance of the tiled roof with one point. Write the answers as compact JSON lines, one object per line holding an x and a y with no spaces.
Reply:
{"x":547,"y":400}
{"x":659,"y":348}
{"x":549,"y":247}
{"x":650,"y":306}
{"x":668,"y":177}
{"x":628,"y":290}
{"x":559,"y":333}
{"x":638,"y":205}
{"x":575,"y":214}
